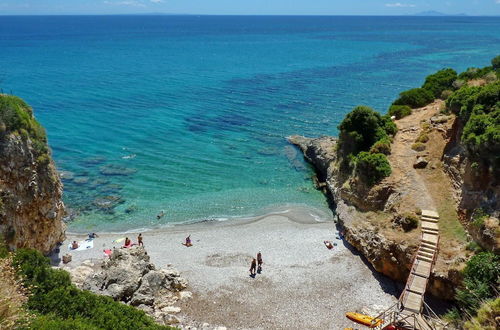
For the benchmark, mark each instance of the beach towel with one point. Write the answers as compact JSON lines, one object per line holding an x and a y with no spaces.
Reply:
{"x":118,"y":240}
{"x":82,"y":245}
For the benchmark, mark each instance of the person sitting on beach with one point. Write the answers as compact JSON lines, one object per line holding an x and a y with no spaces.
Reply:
{"x":74,"y":245}
{"x":188,"y":241}
{"x":253,"y":266}
{"x":259,"y":262}
{"x":128,"y":243}
{"x":139,"y":240}
{"x":328,"y":244}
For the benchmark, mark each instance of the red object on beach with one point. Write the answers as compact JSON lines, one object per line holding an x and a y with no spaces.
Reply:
{"x":108,"y":252}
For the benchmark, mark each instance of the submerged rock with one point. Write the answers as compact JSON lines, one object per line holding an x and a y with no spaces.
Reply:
{"x":113,"y":169}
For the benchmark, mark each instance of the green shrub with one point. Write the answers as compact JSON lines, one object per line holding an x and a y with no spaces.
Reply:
{"x":481,"y":277}
{"x":418,"y":146}
{"x":486,"y":318}
{"x":361,"y":128}
{"x":415,"y":98}
{"x":373,"y":167}
{"x":381,"y":146}
{"x":399,"y":111}
{"x":422,"y":138}
{"x":445,"y":94}
{"x":478,"y":217}
{"x":438,"y":82}
{"x":474,"y":247}
{"x":65,"y":305}
{"x":475,"y":73}
{"x":495,"y":62}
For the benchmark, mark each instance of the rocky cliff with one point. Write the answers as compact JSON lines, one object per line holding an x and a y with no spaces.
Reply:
{"x":373,"y":216}
{"x":31,"y":207}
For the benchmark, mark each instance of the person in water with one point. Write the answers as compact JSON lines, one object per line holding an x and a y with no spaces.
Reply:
{"x":160,"y":215}
{"x":93,"y":235}
{"x":188,"y":241}
{"x":74,"y":245}
{"x":253,"y":266}
{"x":259,"y":262}
{"x":139,"y":240}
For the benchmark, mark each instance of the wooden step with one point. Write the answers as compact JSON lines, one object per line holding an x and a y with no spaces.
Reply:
{"x":430,"y":232}
{"x":425,"y":254}
{"x":429,"y":219}
{"x":430,"y":225}
{"x":428,"y":246}
{"x":430,"y":214}
{"x":428,"y":250}
{"x":424,"y":259}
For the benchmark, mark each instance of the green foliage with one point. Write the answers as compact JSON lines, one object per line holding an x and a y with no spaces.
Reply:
{"x":361,"y":128}
{"x":399,"y":111}
{"x":65,"y":306}
{"x":474,"y":247}
{"x":446,"y":94}
{"x":486,"y":316}
{"x":4,"y":251}
{"x":373,"y":167}
{"x":17,"y":116}
{"x":382,"y":146}
{"x":495,"y":62}
{"x":52,"y":322}
{"x":475,"y":73}
{"x":438,"y":82}
{"x":415,"y":98}
{"x":422,"y":138}
{"x":418,"y":146}
{"x":481,"y":277}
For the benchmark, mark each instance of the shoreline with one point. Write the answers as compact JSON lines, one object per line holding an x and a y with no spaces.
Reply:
{"x":303,"y":284}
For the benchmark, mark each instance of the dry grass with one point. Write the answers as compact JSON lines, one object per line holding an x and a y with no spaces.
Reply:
{"x":13,"y":296}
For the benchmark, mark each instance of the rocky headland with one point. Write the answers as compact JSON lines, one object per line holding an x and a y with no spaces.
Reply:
{"x":437,"y":177}
{"x":31,"y":206}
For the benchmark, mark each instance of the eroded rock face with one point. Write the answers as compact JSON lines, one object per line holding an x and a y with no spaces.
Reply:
{"x":387,"y":256}
{"x":31,"y":208}
{"x":129,"y":276}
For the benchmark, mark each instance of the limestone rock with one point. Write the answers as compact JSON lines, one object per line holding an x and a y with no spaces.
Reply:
{"x":421,"y":162}
{"x":31,"y":206}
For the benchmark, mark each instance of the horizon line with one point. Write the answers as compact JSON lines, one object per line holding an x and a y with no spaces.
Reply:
{"x":289,"y":15}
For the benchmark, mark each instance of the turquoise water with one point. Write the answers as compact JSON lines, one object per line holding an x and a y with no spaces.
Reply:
{"x":189,"y":114}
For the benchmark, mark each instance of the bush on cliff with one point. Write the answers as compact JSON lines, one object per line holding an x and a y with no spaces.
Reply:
{"x":399,"y":111}
{"x":373,"y":167}
{"x":17,"y":117}
{"x":415,"y":98}
{"x":495,"y":63}
{"x":440,"y":81}
{"x":361,"y":128}
{"x":481,"y":278}
{"x":66,"y":307}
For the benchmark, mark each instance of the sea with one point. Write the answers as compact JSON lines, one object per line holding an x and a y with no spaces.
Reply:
{"x":159,"y":120}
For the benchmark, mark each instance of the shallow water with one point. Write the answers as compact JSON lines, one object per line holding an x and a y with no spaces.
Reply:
{"x":189,"y":114}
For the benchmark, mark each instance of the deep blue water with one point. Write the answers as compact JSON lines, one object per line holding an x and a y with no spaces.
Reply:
{"x":193,"y":111}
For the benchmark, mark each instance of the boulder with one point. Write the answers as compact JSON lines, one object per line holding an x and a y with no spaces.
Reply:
{"x":421,"y":162}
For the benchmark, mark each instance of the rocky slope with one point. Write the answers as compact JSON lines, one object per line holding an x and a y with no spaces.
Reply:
{"x":371,"y":216}
{"x":31,"y":206}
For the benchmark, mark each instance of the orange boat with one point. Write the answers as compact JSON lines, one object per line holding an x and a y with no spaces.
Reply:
{"x":364,"y":319}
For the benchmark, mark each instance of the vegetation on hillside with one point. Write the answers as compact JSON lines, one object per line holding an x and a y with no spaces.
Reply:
{"x":55,"y":303}
{"x":17,"y":117}
{"x":364,"y":139}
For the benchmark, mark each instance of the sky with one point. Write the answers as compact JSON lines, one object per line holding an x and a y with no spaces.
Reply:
{"x":248,"y":7}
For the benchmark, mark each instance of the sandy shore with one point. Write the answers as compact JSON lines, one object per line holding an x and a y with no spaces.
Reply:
{"x":303,"y":284}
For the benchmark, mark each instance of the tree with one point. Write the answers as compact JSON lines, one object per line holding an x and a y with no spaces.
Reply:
{"x":495,"y":62}
{"x":415,"y":98}
{"x":438,"y":82}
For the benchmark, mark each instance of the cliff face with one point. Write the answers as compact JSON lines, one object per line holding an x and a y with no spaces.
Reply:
{"x":474,"y":188}
{"x":31,"y":207}
{"x":370,"y":215}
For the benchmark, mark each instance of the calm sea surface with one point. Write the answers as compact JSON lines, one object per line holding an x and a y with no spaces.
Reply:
{"x":189,"y":114}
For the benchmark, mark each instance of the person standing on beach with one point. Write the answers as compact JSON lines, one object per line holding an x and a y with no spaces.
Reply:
{"x":259,"y":262}
{"x":139,"y":240}
{"x":253,"y":266}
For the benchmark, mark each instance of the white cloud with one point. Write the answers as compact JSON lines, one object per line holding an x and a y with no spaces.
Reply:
{"x":160,"y":1}
{"x":498,"y":1}
{"x":133,"y":3}
{"x":399,"y":4}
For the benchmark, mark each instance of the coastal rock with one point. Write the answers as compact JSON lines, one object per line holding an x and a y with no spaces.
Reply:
{"x":116,"y":170}
{"x":31,"y":206}
{"x":420,"y":162}
{"x":129,"y":276}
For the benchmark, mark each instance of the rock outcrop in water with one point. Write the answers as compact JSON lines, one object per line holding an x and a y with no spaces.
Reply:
{"x":31,"y":207}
